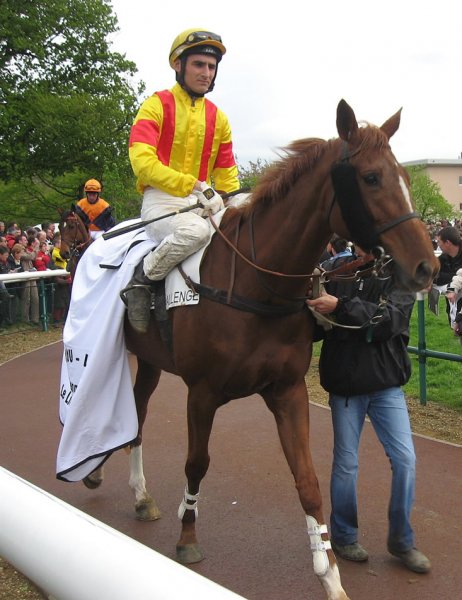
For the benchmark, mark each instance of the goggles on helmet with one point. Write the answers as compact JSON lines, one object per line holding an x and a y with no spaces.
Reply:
{"x":201,"y":36}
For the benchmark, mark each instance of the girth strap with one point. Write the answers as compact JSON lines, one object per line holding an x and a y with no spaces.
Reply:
{"x":241,"y":303}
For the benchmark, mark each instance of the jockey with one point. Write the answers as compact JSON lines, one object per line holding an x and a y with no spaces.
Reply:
{"x":178,"y":143}
{"x":93,"y":210}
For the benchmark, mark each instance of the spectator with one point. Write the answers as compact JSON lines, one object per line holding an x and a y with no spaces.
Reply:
{"x":6,"y":307}
{"x":3,"y":242}
{"x":29,"y":296}
{"x":43,"y":257}
{"x":21,"y":239}
{"x":339,"y":250}
{"x":2,"y":228}
{"x":49,"y":229}
{"x":450,"y":259}
{"x":12,"y":231}
{"x":62,"y":295}
{"x":42,"y":237}
{"x":363,"y":368}
{"x":14,"y":266}
{"x":95,"y":212}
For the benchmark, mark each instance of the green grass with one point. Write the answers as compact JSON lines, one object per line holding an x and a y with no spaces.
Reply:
{"x":443,"y":377}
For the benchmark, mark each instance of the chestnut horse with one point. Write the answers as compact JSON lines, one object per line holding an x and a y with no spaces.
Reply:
{"x":259,"y":339}
{"x":75,"y":238}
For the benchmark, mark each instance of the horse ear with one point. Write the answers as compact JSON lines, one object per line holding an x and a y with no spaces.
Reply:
{"x":347,"y":125}
{"x":391,"y":126}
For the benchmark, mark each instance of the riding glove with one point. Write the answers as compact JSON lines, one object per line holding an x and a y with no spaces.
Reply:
{"x":210,"y":200}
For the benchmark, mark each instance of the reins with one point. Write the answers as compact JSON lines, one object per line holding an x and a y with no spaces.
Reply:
{"x":253,"y":264}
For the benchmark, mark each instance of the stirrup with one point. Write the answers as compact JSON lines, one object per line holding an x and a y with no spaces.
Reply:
{"x":130,"y":287}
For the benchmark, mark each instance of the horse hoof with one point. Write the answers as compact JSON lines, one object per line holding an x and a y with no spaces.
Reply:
{"x":147,"y":510}
{"x":188,"y":554}
{"x":90,"y":483}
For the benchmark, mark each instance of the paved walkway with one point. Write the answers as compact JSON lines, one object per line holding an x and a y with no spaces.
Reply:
{"x":251,"y":525}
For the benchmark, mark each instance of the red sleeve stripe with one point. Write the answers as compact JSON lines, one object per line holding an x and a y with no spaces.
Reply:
{"x":144,"y":131}
{"x":164,"y":149}
{"x":225,"y":156}
{"x":210,"y":120}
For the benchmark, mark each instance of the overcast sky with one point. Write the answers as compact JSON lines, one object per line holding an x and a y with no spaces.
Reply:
{"x":290,"y":62}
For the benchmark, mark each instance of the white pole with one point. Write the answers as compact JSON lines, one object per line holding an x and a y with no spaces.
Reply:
{"x":32,"y":275}
{"x":72,"y":556}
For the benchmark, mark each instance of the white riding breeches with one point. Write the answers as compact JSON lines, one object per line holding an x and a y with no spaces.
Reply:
{"x":178,"y":236}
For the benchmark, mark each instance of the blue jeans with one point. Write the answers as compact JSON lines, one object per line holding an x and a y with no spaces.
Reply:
{"x":388,"y":413}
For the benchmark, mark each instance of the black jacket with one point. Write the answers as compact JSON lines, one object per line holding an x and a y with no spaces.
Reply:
{"x":448,"y":267}
{"x":374,"y":357}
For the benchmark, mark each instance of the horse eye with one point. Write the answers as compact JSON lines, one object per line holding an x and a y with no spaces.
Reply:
{"x":371,"y":179}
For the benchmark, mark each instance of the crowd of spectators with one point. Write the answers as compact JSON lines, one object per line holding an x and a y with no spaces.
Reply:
{"x":37,"y":249}
{"x":31,"y":249}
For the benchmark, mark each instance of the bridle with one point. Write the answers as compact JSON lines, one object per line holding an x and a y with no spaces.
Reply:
{"x":345,"y":198}
{"x":355,"y":213}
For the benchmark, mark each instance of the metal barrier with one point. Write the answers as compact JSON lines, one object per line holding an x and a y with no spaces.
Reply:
{"x":40,"y":277}
{"x":72,"y":556}
{"x":423,"y":353}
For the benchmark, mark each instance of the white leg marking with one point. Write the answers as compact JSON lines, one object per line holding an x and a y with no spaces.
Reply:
{"x":137,"y":481}
{"x":332,"y":584}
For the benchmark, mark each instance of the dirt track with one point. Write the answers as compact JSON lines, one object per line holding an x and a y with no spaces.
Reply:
{"x":250,"y":524}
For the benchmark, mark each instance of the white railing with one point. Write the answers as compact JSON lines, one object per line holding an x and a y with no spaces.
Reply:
{"x":72,"y":556}
{"x":32,"y":275}
{"x":41,"y":276}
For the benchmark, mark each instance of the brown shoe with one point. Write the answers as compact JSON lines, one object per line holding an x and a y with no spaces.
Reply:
{"x":354,"y":552}
{"x":413,"y":559}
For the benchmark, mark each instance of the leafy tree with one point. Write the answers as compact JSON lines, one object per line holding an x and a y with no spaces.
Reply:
{"x":430,"y":203}
{"x":249,"y":175}
{"x":67,"y":100}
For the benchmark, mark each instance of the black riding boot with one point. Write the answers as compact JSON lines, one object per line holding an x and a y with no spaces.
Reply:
{"x":137,"y":297}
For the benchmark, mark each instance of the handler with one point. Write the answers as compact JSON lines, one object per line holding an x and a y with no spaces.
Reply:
{"x":363,"y":366}
{"x":179,"y":142}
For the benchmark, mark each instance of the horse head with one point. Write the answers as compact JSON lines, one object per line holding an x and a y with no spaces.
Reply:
{"x":75,"y":236}
{"x":375,"y":207}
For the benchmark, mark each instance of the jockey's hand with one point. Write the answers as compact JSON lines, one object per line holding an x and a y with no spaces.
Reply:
{"x":209,"y":199}
{"x":451,"y":296}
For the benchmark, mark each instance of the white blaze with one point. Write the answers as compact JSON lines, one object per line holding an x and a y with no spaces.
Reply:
{"x":405,"y":189}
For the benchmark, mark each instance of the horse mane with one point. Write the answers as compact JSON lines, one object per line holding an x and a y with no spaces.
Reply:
{"x":300,"y":157}
{"x":295,"y":159}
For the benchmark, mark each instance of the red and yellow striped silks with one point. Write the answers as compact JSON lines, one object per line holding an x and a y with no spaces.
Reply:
{"x":175,"y":141}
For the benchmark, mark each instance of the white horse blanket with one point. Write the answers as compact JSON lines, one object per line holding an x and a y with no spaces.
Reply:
{"x":96,"y":402}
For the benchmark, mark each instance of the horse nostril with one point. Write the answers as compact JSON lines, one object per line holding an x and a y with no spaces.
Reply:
{"x":425,"y":273}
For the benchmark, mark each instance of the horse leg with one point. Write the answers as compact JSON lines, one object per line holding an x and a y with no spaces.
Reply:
{"x":95,"y":479}
{"x":201,"y":412}
{"x":291,"y":410}
{"x":147,"y":378}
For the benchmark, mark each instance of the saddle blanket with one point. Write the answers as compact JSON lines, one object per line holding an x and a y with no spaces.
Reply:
{"x":96,"y":402}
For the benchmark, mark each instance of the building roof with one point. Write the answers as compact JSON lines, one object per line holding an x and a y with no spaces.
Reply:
{"x":442,"y":162}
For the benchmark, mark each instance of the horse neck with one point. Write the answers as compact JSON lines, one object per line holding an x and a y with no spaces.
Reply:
{"x":291,"y":233}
